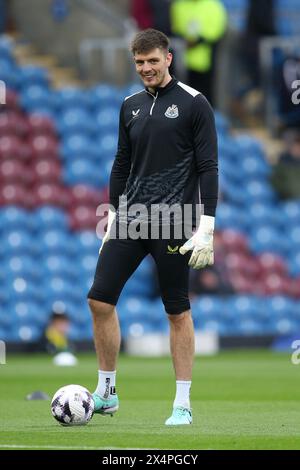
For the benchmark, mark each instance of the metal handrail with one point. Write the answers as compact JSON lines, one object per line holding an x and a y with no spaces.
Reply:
{"x":123,"y":26}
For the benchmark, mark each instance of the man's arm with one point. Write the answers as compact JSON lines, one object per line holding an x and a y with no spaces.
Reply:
{"x":119,"y":173}
{"x":206,"y":155}
{"x":122,"y":163}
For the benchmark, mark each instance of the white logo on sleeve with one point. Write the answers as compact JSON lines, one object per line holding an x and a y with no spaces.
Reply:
{"x":172,"y":112}
{"x":135,"y":113}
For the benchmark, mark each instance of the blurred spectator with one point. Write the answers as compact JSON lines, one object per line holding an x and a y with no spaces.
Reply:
{"x":55,"y":338}
{"x":201,"y":23}
{"x":209,"y":281}
{"x":286,"y":173}
{"x":141,"y":13}
{"x":161,"y":15}
{"x":259,"y":24}
{"x":3,"y":16}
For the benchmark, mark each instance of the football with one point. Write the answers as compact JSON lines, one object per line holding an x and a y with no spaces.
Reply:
{"x":72,"y":405}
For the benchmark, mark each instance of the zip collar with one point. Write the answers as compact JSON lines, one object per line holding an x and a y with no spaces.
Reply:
{"x":162,"y":90}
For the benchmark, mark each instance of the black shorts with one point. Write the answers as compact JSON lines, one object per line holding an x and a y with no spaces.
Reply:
{"x":120,"y":258}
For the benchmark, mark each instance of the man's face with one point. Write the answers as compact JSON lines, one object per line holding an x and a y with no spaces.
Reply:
{"x":152,"y":67}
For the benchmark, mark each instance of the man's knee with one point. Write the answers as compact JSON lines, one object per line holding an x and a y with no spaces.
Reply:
{"x":100,"y":308}
{"x":180,"y":317}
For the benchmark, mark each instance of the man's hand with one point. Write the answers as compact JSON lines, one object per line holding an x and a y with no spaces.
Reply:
{"x":111,"y":218}
{"x":201,"y":243}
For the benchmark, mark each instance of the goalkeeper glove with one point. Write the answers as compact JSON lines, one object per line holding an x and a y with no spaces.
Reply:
{"x":201,"y":243}
{"x":110,"y":220}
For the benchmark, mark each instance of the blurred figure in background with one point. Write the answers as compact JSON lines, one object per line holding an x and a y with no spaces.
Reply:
{"x":160,"y":10}
{"x":142,"y":14}
{"x":56,"y":341}
{"x":259,"y":24}
{"x":202,"y":24}
{"x":3,"y":16}
{"x":286,"y":173}
{"x":209,"y":281}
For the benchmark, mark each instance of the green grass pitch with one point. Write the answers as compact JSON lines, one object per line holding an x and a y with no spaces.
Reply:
{"x":240,"y":400}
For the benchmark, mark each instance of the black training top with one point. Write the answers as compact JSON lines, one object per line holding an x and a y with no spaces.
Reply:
{"x":167,"y":146}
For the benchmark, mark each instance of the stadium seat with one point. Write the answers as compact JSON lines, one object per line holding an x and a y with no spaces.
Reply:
{"x":50,"y":217}
{"x":78,"y":145}
{"x":82,"y":194}
{"x":87,"y":242}
{"x":35,"y":97}
{"x":57,"y":242}
{"x":43,"y":146}
{"x":75,"y":120}
{"x":46,"y":171}
{"x":13,"y":147}
{"x":41,"y":125}
{"x":22,"y":266}
{"x":83,"y":218}
{"x":73,"y":97}
{"x":107,"y":120}
{"x":14,"y":218}
{"x":15,"y":194}
{"x":13,"y":123}
{"x":59,"y":266}
{"x":31,"y":75}
{"x":52,"y":194}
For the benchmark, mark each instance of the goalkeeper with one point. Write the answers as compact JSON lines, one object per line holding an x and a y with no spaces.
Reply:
{"x":167,"y":155}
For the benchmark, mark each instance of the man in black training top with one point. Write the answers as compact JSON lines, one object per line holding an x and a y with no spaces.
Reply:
{"x":166,"y":158}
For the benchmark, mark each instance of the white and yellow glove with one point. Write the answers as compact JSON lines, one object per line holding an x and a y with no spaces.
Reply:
{"x":201,"y":243}
{"x":111,"y":218}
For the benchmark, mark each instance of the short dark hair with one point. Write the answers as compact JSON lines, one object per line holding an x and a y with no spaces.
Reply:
{"x":149,"y":39}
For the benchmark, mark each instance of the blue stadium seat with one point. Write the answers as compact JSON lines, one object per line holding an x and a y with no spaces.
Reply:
{"x":245,"y":307}
{"x":15,"y":218}
{"x":108,"y":145}
{"x":280,"y":307}
{"x":59,"y":288}
{"x":253,"y":167}
{"x":87,"y":243}
{"x":107,"y":120}
{"x":229,"y":216}
{"x":290,"y":212}
{"x":23,"y":266}
{"x":137,"y":286}
{"x":105,"y":95}
{"x":33,"y":75}
{"x":87,"y":264}
{"x":35,"y":97}
{"x":59,"y":266}
{"x":49,"y":217}
{"x":19,"y":242}
{"x":26,"y":334}
{"x":294,"y":262}
{"x":206,"y":309}
{"x":261,"y":213}
{"x":57,"y":242}
{"x":78,"y":145}
{"x":257,"y":190}
{"x":76,"y":120}
{"x":250,"y":327}
{"x":82,"y":171}
{"x":23,"y":290}
{"x":28,"y":312}
{"x":222,"y":123}
{"x":267,"y":238}
{"x":71,"y":97}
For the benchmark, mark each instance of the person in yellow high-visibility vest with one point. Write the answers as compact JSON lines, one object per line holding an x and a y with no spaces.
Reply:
{"x":201,"y":23}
